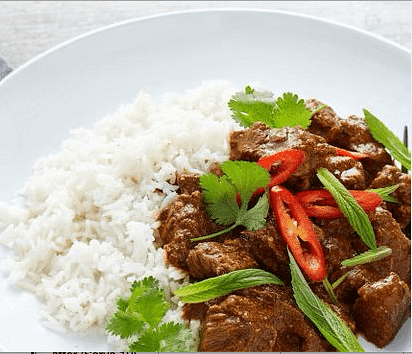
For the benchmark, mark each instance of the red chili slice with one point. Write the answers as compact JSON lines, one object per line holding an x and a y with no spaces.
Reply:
{"x":284,"y":164}
{"x":320,"y":203}
{"x":298,"y":233}
{"x":353,"y":154}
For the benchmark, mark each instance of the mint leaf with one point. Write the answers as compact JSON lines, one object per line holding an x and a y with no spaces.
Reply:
{"x":368,"y":256}
{"x":334,"y":329}
{"x":385,"y":192}
{"x":355,"y":214}
{"x":291,"y":111}
{"x":224,"y":284}
{"x":384,"y":135}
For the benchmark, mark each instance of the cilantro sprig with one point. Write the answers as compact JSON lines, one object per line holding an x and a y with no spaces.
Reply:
{"x":138,"y":320}
{"x":251,"y":106}
{"x":221,"y":196}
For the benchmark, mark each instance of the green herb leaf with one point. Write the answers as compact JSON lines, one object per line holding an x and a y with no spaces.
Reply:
{"x":335,"y":330}
{"x":224,"y":284}
{"x":338,"y":281}
{"x":246,"y":177}
{"x":140,"y":316}
{"x":219,"y":196}
{"x":242,"y":178}
{"x":356,"y":216}
{"x":249,"y":107}
{"x":148,"y":300}
{"x":291,"y":111}
{"x":385,"y":136}
{"x":124,"y":324}
{"x":368,"y":256}
{"x":169,"y":337}
{"x":252,"y":106}
{"x":255,"y":218}
{"x":385,"y":192}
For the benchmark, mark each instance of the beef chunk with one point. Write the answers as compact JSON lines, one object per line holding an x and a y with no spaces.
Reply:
{"x":341,"y":242}
{"x":354,"y":135}
{"x":268,"y":248}
{"x":209,"y":259}
{"x":382,"y":308}
{"x":187,"y":182}
{"x":401,"y":211}
{"x":356,"y":277}
{"x":325,"y":122}
{"x":342,"y":309}
{"x":183,"y":219}
{"x":259,"y":141}
{"x":389,"y":233}
{"x":351,"y":133}
{"x":347,"y":170}
{"x":259,"y":319}
{"x":337,"y":241}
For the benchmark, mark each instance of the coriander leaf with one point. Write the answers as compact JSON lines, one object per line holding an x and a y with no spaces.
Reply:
{"x":219,"y":196}
{"x":122,"y":304}
{"x":224,"y":284}
{"x":169,"y":337}
{"x":291,"y":111}
{"x":124,"y":324}
{"x":356,"y":216}
{"x":368,"y":256}
{"x":384,"y":135}
{"x":241,"y":178}
{"x":139,"y":316}
{"x":246,"y":177}
{"x":255,"y":218}
{"x":334,"y":329}
{"x":148,"y":300}
{"x":385,"y":192}
{"x":176,"y":338}
{"x":250,"y":106}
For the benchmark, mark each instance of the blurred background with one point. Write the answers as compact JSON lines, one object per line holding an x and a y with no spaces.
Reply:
{"x":28,"y":28}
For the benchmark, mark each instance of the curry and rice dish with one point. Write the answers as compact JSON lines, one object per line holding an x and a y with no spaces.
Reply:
{"x":372,"y":298}
{"x":219,"y":221}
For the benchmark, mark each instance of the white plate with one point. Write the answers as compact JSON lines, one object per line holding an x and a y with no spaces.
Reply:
{"x":82,"y":80}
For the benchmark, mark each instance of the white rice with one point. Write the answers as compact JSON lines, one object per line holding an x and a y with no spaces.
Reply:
{"x":86,"y":230}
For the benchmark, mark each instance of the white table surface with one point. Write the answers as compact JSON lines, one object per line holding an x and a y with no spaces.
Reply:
{"x":27,"y":29}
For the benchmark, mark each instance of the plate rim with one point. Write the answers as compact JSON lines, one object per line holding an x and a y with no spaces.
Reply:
{"x":380,"y":39}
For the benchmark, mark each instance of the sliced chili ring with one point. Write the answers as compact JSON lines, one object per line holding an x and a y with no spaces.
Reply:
{"x":353,"y":154}
{"x":284,"y":163}
{"x":320,"y":203}
{"x":298,"y":233}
